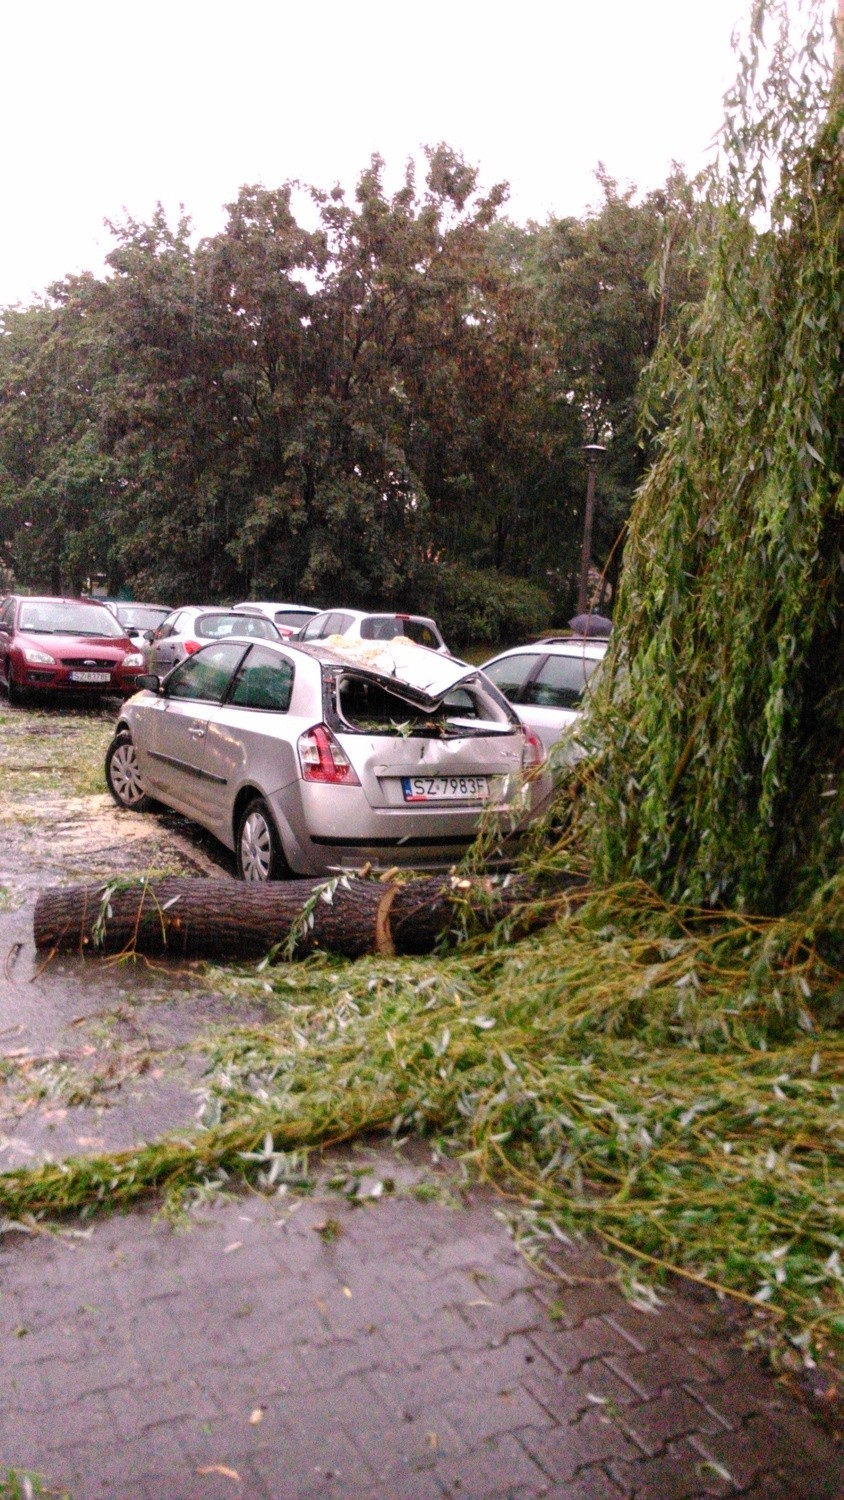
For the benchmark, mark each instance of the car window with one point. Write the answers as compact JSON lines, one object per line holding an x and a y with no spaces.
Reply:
{"x":257,"y":627}
{"x":560,"y":682}
{"x":315,"y":628}
{"x":335,"y":624}
{"x":422,"y":634}
{"x":380,"y":628}
{"x":461,"y":702}
{"x":206,"y":676}
{"x":139,"y":617}
{"x":265,"y":680}
{"x":367,"y":705}
{"x":168,"y":626}
{"x":509,"y":673}
{"x":294,"y":617}
{"x":215,"y":627}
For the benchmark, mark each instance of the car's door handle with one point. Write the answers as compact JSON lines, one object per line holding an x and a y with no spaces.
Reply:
{"x":197,"y":731}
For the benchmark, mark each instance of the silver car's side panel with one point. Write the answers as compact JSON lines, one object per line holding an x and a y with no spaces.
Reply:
{"x":170,"y":744}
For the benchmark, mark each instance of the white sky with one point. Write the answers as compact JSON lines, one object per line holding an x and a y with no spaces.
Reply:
{"x":106,"y":105}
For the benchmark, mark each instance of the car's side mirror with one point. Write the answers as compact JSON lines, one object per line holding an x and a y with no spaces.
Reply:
{"x":149,"y":680}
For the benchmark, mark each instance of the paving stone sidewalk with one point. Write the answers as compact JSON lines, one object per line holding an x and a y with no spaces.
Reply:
{"x":283,"y":1349}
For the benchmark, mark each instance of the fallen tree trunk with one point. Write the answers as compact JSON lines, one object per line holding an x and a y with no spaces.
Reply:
{"x":348,"y":916}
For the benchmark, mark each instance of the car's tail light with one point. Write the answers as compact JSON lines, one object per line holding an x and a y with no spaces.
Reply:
{"x":322,"y":758}
{"x":533,"y":751}
{"x":191,"y":646}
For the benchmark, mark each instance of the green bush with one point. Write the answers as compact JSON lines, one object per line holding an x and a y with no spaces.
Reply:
{"x":473,"y":605}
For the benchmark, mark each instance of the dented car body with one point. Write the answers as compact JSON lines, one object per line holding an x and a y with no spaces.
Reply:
{"x":308,"y":758}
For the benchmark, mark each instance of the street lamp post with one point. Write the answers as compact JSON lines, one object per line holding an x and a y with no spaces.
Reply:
{"x":592,"y":451}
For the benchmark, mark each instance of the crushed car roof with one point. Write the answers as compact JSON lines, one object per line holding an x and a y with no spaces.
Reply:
{"x":421,"y":676}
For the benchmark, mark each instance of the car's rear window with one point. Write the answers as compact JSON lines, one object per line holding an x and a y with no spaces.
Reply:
{"x":389,"y":627}
{"x":217,"y":627}
{"x":364,"y":704}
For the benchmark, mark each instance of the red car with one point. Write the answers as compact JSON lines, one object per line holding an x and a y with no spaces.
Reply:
{"x":69,"y":645}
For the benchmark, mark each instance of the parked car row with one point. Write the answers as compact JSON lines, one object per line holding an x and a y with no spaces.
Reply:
{"x":354,"y":739}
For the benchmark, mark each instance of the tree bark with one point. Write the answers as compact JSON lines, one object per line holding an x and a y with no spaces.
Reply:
{"x":228,"y":919}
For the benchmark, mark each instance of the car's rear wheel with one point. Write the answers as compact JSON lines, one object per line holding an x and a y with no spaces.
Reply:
{"x":123,"y":775}
{"x":259,"y":853}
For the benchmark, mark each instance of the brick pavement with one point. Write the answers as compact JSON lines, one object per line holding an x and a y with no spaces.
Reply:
{"x":283,"y":1349}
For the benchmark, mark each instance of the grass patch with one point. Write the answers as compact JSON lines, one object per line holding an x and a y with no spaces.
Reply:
{"x":54,"y":749}
{"x":669,"y":1086}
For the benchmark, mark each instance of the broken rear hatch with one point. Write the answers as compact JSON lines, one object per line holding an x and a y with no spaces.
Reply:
{"x":420,"y":728}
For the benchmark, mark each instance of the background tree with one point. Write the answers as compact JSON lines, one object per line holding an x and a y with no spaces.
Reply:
{"x":339,"y":411}
{"x":608,"y":285}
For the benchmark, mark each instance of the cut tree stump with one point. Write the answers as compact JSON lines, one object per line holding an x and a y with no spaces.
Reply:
{"x":349,"y":916}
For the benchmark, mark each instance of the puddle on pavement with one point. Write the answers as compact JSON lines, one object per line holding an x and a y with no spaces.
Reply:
{"x":95,"y":1055}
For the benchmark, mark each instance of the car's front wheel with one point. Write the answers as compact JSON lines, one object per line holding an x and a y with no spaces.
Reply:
{"x":123,"y":775}
{"x":13,"y":692}
{"x":259,"y":854}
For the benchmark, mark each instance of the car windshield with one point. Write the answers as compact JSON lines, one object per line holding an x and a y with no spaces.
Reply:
{"x":54,"y":617}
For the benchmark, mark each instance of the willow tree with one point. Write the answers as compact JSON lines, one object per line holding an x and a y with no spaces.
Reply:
{"x":721,"y":725}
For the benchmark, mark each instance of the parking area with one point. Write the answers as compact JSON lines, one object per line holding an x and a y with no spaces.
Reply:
{"x":373,"y":1332}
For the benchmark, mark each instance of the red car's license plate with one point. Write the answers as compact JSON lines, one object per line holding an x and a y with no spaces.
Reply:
{"x":90,"y":677}
{"x":445,"y":788}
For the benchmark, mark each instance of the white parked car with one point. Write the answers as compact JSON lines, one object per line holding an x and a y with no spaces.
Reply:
{"x":287,"y":618}
{"x":358,"y":625}
{"x":303,"y":759}
{"x":546,"y":681}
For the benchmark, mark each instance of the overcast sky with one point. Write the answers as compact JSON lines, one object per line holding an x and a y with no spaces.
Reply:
{"x":107,"y":106}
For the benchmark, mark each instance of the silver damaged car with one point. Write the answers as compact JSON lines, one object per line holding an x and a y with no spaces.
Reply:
{"x":303,"y":759}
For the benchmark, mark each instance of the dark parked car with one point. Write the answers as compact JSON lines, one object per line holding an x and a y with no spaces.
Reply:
{"x":186,"y":630}
{"x":69,"y":645}
{"x":140,"y":621}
